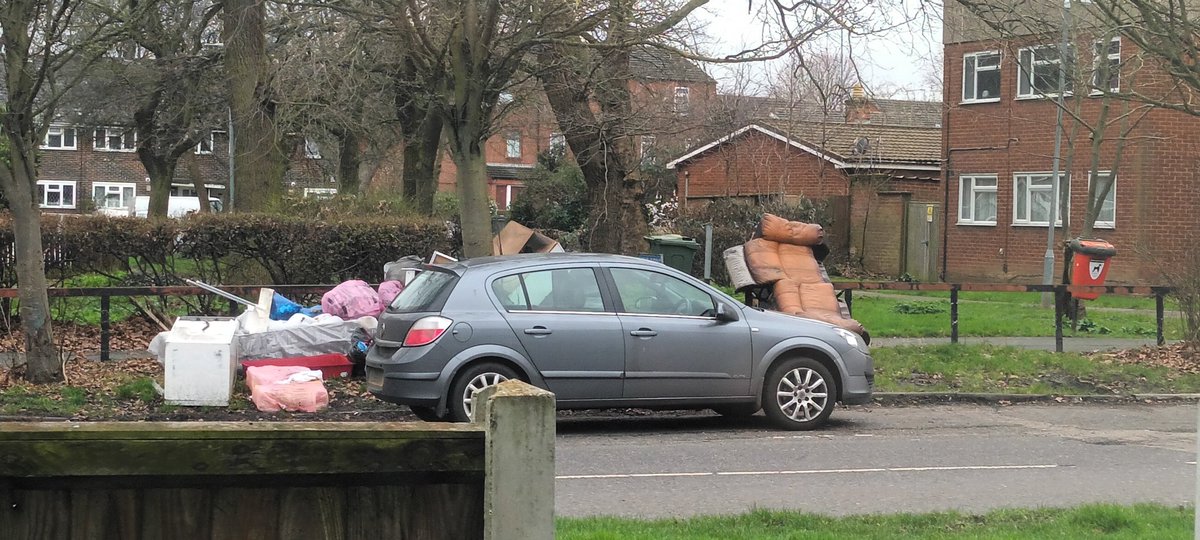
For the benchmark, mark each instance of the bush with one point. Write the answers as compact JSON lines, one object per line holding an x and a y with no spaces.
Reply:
{"x":733,"y":224}
{"x":919,"y":308}
{"x":554,"y":199}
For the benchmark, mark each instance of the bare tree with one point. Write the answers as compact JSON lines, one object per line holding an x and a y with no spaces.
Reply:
{"x":48,"y":46}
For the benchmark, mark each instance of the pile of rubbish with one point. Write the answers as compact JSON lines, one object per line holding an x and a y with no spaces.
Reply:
{"x":781,"y":269}
{"x":286,"y":350}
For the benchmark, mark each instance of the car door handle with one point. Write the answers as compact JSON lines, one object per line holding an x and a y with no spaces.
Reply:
{"x":538,"y":331}
{"x":643,"y":332}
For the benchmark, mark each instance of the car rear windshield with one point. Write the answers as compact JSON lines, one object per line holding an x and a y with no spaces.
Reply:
{"x":427,"y":292}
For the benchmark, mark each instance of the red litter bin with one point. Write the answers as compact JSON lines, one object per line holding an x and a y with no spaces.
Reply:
{"x":1089,"y":264}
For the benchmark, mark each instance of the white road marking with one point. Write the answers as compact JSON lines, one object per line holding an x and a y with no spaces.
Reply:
{"x":1187,"y":462}
{"x":810,"y":471}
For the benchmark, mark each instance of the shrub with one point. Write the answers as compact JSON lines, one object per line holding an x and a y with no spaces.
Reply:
{"x":919,"y":308}
{"x":554,"y":199}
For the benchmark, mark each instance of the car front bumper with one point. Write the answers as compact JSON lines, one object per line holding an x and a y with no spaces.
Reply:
{"x":859,"y":385}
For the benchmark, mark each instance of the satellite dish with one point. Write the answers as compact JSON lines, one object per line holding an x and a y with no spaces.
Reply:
{"x":861,"y":145}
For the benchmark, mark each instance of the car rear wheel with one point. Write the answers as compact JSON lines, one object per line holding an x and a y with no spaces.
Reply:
{"x":462,"y":402}
{"x":799,"y":394}
{"x":428,"y":414}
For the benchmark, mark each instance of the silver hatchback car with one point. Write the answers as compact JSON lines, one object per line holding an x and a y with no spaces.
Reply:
{"x":604,"y":331}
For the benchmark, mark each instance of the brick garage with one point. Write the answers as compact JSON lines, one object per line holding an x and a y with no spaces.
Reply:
{"x":880,"y":169}
{"x":1155,"y":203}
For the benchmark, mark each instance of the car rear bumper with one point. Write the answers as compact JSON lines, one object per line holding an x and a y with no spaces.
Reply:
{"x":390,"y":381}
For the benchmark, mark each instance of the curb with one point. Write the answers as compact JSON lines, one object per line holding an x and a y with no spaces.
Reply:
{"x":913,"y":398}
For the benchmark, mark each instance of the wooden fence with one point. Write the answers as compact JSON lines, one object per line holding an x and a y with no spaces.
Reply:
{"x":285,"y":480}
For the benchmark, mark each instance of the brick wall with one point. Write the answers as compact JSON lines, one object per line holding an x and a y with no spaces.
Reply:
{"x":1156,"y":199}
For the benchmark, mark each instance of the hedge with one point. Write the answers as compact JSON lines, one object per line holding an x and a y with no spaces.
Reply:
{"x":227,"y":248}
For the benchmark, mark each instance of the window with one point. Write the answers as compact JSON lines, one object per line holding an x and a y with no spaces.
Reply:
{"x":977,"y":200}
{"x":112,"y":139}
{"x":1037,"y":74}
{"x":512,"y":144}
{"x":571,"y":290}
{"x":320,"y":193}
{"x":56,"y":194}
{"x":182,"y":191}
{"x":311,"y":149}
{"x":206,"y":145}
{"x":558,"y":144}
{"x":59,"y":138}
{"x":682,"y":100}
{"x":113,"y":195}
{"x":981,"y":77}
{"x":1031,"y":198}
{"x":652,"y":293}
{"x":1107,"y":218}
{"x":647,"y":150}
{"x":1106,"y":72}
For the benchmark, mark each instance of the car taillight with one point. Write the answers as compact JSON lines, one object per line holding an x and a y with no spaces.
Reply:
{"x":426,"y":331}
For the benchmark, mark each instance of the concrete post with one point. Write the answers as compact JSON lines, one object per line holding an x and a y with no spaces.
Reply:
{"x":518,"y":485}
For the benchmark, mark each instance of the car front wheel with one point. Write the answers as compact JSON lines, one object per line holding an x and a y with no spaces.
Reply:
{"x":799,"y":394}
{"x":462,"y":404}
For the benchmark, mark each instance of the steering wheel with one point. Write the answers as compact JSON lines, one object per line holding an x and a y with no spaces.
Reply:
{"x":645,"y":304}
{"x":683,"y":307}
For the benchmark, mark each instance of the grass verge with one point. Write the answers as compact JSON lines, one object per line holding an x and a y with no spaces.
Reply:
{"x":930,"y":317}
{"x":996,"y":369}
{"x":1084,"y":522}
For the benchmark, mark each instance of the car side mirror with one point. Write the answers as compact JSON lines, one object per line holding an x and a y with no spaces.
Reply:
{"x":726,"y":314}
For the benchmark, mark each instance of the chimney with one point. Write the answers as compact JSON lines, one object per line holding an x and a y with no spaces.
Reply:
{"x":859,"y":108}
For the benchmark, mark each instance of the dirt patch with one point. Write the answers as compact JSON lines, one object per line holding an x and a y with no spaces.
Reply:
{"x":1179,"y":357}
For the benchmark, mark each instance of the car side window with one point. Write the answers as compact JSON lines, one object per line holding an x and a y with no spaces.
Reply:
{"x":652,"y":293}
{"x":570,"y":289}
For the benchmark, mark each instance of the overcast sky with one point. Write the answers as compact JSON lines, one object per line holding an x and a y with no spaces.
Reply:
{"x":901,"y":59}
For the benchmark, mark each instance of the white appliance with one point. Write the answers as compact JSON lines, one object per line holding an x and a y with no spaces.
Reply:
{"x":200,"y":361}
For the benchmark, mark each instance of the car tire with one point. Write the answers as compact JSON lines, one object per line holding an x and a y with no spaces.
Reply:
{"x":470,"y":381}
{"x":737,"y":410}
{"x":799,"y":394}
{"x":428,"y":414}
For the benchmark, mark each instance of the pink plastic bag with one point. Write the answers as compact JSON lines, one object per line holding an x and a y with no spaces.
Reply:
{"x":388,"y":291}
{"x":351,"y":300}
{"x":270,"y":391}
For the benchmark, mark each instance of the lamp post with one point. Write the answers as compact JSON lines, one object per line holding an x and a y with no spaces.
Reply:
{"x":1063,"y":54}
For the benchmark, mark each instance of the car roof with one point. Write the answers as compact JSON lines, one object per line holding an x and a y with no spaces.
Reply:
{"x":528,"y":259}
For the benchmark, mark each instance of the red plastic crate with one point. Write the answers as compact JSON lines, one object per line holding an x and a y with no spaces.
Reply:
{"x":331,"y":365}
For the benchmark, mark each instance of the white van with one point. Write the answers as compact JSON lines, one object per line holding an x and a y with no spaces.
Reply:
{"x":176,"y":206}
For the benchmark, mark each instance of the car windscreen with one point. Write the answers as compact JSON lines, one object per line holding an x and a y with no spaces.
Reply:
{"x":426,"y":292}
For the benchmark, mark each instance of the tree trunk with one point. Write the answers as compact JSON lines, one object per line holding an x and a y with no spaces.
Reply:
{"x":193,"y":172}
{"x":616,"y":221}
{"x":421,"y":154}
{"x":349,"y":161}
{"x":42,"y":364}
{"x":161,"y":172}
{"x":474,"y":213}
{"x":259,"y":156}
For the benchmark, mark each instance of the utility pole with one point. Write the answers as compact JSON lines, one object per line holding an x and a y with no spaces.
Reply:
{"x":1063,"y":54}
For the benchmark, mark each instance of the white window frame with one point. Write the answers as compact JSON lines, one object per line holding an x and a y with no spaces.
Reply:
{"x":212,"y":144}
{"x":558,"y":143}
{"x":62,"y":134}
{"x":646,"y":148}
{"x":512,"y":144}
{"x":116,"y":187}
{"x":1110,"y":58}
{"x":973,"y":58}
{"x":48,"y":186}
{"x":1112,"y":194}
{"x":1022,"y":76}
{"x":320,"y":192}
{"x":973,"y":178}
{"x":125,"y":133}
{"x":312,"y":150}
{"x":1064,"y":206}
{"x":682,"y":100}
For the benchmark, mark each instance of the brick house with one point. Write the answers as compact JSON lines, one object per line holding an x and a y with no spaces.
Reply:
{"x":999,"y":142}
{"x":671,"y":97}
{"x":84,"y":167}
{"x":878,"y":166}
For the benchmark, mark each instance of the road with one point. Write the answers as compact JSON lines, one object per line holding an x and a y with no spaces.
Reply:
{"x":879,"y":460}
